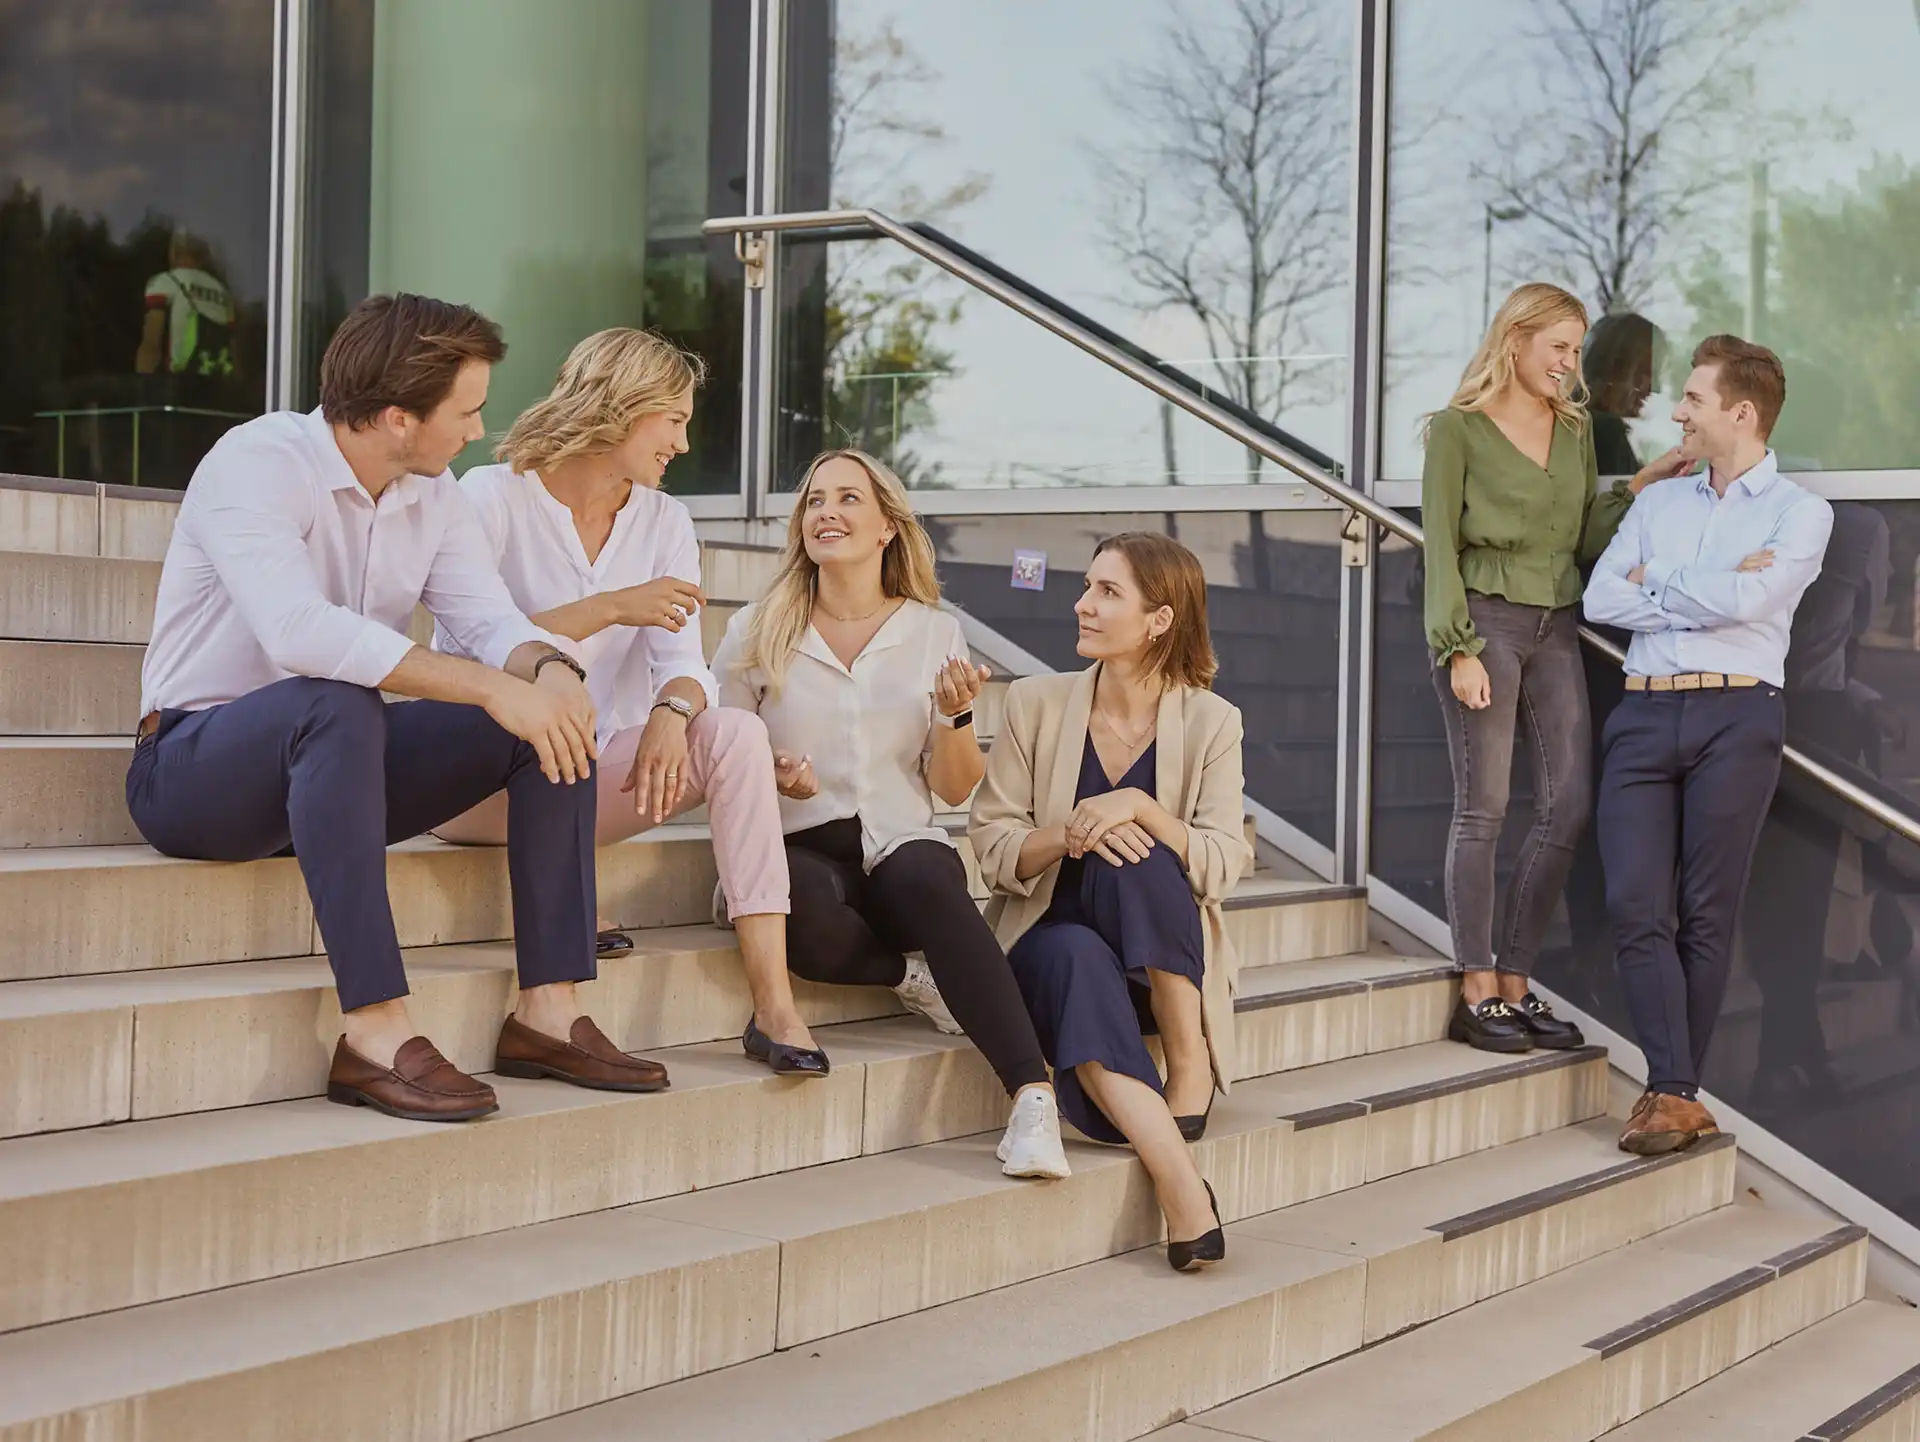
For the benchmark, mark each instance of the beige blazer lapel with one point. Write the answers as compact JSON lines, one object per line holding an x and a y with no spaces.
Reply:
{"x":1170,"y":757}
{"x":1069,"y":746}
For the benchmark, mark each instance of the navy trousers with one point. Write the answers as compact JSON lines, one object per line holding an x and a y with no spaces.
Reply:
{"x":329,"y":773}
{"x":1684,"y":790}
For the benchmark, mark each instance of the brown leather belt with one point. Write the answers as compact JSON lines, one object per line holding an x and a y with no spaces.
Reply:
{"x":149,"y":723}
{"x":1690,"y":681}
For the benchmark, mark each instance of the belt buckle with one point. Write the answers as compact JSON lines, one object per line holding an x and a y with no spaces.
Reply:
{"x":1688,"y":681}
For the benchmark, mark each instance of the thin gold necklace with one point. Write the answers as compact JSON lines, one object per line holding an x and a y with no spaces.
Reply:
{"x":1132,"y":743}
{"x":854,"y":620}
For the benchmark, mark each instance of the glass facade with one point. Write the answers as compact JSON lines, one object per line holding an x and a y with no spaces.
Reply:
{"x":1180,"y":172}
{"x":134,"y":202}
{"x":550,"y":165}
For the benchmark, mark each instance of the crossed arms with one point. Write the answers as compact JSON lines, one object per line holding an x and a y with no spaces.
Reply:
{"x":1636,"y":589}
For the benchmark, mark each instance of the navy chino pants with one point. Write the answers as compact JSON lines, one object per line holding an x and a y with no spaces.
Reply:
{"x":1684,"y":790}
{"x":331,"y":774}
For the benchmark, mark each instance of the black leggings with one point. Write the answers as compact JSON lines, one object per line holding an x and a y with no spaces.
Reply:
{"x":849,"y":928}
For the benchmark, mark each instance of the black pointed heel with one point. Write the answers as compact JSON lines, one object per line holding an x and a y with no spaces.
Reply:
{"x":1194,"y":1128}
{"x":1205,"y":1249}
{"x":782,"y":1059}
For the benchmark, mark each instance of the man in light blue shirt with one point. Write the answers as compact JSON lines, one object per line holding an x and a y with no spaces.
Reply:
{"x":1705,"y":571}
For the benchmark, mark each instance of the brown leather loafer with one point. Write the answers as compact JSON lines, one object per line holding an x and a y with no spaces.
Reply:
{"x":586,"y":1059}
{"x":421,"y":1085}
{"x":1668,"y":1124}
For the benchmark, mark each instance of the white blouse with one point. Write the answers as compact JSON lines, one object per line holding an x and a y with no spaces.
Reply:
{"x":537,"y":548}
{"x":869,"y":729}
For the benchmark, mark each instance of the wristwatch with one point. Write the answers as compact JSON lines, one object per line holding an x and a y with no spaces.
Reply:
{"x":565,"y":660}
{"x":954,"y":723}
{"x":676,"y":704}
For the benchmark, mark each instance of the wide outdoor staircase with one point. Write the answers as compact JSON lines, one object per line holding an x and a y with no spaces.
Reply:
{"x":1425,"y":1241}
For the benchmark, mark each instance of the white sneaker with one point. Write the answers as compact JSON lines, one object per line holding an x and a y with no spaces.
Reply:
{"x":918,"y":993}
{"x":1031,"y":1146}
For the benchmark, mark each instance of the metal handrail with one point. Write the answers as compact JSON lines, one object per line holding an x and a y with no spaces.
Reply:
{"x":1040,"y":308}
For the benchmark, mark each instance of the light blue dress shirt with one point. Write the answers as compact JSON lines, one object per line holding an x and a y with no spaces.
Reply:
{"x":1693,"y":611}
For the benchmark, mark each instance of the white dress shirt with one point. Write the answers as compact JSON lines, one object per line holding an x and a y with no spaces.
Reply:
{"x":1693,"y":610}
{"x":282,"y":565}
{"x":537,"y":548}
{"x":869,"y":729}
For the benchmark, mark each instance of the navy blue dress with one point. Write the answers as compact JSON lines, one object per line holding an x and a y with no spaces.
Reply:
{"x":1083,"y":966}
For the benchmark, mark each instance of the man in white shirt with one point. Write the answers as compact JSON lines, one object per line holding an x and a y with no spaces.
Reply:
{"x":300,"y":552}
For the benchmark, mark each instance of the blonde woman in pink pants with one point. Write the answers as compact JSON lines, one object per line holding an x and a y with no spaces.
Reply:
{"x":594,"y":550}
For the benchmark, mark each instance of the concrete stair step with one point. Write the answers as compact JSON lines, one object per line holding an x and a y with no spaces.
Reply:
{"x":89,"y":909}
{"x":82,"y":1051}
{"x":80,"y":518}
{"x":112,"y":1217}
{"x":65,"y":791}
{"x":1855,"y":1375}
{"x":69,"y":688}
{"x":1578,"y":1353}
{"x":738,"y":1271}
{"x":76,"y":598}
{"x":1112,"y":1349}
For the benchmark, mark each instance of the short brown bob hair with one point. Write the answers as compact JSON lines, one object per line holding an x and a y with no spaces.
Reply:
{"x":1747,"y":372}
{"x":401,"y":350}
{"x":1170,"y":575}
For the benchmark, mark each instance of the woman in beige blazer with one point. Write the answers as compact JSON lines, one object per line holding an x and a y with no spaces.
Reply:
{"x":1109,"y":827}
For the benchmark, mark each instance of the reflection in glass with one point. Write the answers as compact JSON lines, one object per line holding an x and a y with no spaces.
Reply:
{"x":567,"y":198}
{"x":134,"y":176}
{"x":1178,"y":172}
{"x":1751,"y":167}
{"x":1272,"y":598}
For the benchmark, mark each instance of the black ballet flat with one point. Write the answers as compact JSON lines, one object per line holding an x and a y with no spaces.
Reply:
{"x":1194,"y":1128}
{"x":1205,"y":1249}
{"x":782,"y":1059}
{"x":609,"y":944}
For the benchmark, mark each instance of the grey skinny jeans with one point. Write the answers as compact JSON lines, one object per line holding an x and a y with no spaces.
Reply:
{"x":1533,"y":666}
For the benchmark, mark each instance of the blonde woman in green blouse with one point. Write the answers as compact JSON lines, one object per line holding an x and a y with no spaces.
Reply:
{"x":1511,"y":506}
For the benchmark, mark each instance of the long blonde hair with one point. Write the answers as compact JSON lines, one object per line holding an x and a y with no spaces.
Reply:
{"x":781,"y":616}
{"x":607,"y":382}
{"x":1532,"y":307}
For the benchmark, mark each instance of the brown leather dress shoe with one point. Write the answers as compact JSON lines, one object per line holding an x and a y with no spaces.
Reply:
{"x":1669,"y":1124}
{"x":587,"y":1059}
{"x":421,"y":1085}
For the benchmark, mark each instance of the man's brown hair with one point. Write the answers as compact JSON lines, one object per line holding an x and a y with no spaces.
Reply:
{"x":1168,"y":574}
{"x":401,"y":350}
{"x":1747,"y":372}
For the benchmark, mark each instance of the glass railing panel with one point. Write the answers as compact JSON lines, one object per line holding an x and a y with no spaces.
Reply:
{"x":1272,"y":600}
{"x":1820,"y":1036}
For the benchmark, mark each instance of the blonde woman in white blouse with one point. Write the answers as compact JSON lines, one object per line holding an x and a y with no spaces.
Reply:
{"x":866,"y":689}
{"x":589,"y":544}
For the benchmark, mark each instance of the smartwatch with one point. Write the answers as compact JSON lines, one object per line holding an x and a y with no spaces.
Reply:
{"x":954,"y":723}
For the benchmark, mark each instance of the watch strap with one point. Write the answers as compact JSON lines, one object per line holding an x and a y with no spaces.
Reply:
{"x":564,"y":659}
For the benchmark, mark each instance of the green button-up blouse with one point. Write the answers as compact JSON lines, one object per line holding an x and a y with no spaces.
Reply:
{"x":1499,"y":525}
